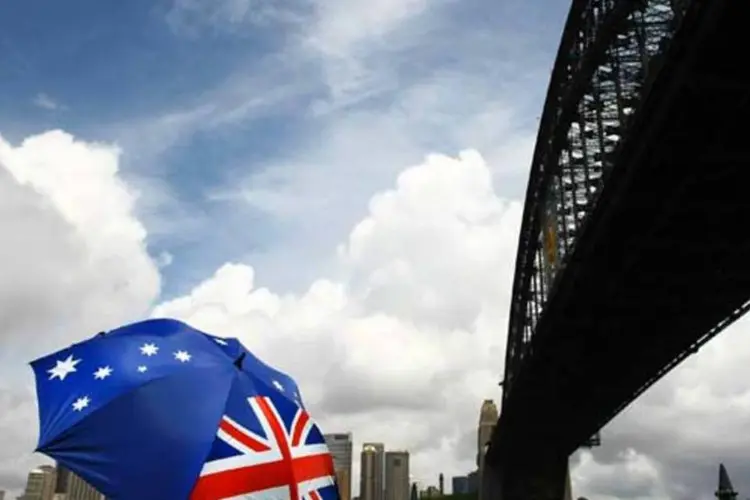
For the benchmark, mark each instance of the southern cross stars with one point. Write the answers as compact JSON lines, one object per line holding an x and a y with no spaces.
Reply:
{"x":182,"y":356}
{"x":149,"y":349}
{"x":103,"y":372}
{"x":278,"y":385}
{"x":81,"y":403}
{"x":63,"y":368}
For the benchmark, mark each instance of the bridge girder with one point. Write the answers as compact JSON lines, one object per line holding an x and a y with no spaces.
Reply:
{"x":611,"y":53}
{"x":610,"y":50}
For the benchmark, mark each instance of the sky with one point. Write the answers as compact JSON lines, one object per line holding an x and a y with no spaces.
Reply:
{"x":337,"y":183}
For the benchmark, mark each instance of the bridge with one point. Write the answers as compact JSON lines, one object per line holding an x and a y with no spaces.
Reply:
{"x":634,"y":248}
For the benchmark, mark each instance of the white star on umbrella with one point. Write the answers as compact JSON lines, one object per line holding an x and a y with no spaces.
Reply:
{"x":221,"y":341}
{"x":103,"y":372}
{"x":278,"y":385}
{"x":182,"y":356}
{"x":149,"y":349}
{"x":142,"y":369}
{"x":63,"y":368}
{"x":81,"y":403}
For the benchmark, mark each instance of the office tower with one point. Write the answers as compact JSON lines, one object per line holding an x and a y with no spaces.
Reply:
{"x":725,"y":490}
{"x":397,"y":475}
{"x":487,"y":419}
{"x":371,"y":472}
{"x":70,"y":486}
{"x":62,"y":479}
{"x":40,"y":484}
{"x":340,"y":446}
{"x":414,"y":495}
{"x":441,"y":484}
{"x":460,"y":485}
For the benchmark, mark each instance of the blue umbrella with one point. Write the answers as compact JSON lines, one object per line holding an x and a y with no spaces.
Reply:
{"x":159,"y":410}
{"x":251,"y":364}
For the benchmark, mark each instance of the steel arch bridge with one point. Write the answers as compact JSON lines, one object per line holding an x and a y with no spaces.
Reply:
{"x":633,"y":250}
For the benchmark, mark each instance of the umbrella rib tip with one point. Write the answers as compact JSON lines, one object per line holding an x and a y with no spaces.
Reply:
{"x":238,"y":361}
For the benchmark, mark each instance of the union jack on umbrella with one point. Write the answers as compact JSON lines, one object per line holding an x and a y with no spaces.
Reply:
{"x":157,"y":410}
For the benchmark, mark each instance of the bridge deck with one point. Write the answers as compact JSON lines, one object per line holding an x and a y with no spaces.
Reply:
{"x":663,"y":262}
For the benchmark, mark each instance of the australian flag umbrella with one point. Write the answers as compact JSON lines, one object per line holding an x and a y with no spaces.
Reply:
{"x":159,"y":410}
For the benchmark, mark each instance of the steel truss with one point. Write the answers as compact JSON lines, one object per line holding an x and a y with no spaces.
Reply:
{"x":609,"y":52}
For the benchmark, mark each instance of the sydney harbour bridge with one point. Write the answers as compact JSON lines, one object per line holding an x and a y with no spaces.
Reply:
{"x":634,"y":248}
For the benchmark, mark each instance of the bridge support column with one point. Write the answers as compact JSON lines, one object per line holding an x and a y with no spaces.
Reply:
{"x":542,"y":479}
{"x":549,"y":480}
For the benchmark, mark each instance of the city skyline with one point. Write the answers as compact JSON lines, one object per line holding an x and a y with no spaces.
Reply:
{"x":390,"y":469}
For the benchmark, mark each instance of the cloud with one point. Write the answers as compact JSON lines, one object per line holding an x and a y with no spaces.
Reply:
{"x":691,"y":420}
{"x":429,"y":85}
{"x":73,"y":262}
{"x":408,"y":329}
{"x":44,"y":101}
{"x":349,"y":339}
{"x":397,"y":333}
{"x":633,"y":476}
{"x":408,"y":326}
{"x":315,"y":193}
{"x":192,"y":17}
{"x":164,"y":259}
{"x":336,"y":55}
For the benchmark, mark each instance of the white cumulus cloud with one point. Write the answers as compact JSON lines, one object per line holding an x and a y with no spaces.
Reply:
{"x":398,"y":341}
{"x":73,"y":261}
{"x":406,"y":338}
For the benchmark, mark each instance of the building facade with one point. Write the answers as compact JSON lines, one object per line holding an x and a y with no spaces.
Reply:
{"x":40,"y":484}
{"x":371,"y":472}
{"x":75,"y":488}
{"x":460,"y":485}
{"x":488,"y":415}
{"x":340,"y":446}
{"x":397,"y":475}
{"x":57,"y":483}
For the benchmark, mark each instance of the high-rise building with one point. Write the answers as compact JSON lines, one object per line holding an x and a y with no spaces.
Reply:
{"x":340,"y":446}
{"x":40,"y":484}
{"x":397,"y":475}
{"x":371,"y":472}
{"x":441,"y":484}
{"x":70,"y":486}
{"x":487,"y":420}
{"x":460,"y":485}
{"x":62,"y":479}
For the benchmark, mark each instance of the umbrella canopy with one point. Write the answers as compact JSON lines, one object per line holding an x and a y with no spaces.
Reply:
{"x":256,"y":368}
{"x":159,"y":410}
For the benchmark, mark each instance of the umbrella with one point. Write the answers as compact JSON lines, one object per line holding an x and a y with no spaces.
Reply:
{"x":159,"y":410}
{"x":248,"y":362}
